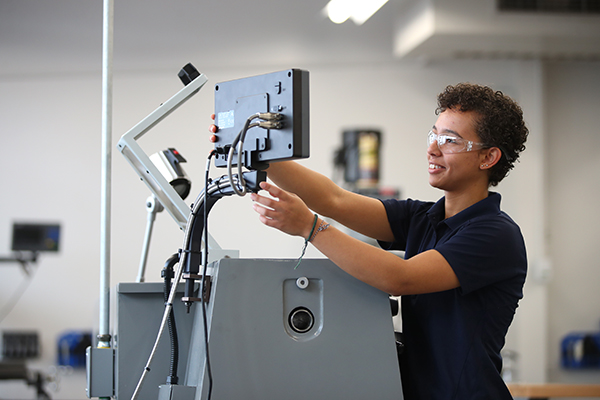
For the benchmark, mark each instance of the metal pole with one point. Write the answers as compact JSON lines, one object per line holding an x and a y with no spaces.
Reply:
{"x":105,"y":213}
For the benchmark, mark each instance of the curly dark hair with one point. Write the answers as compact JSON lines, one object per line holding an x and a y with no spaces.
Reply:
{"x":500,"y":123}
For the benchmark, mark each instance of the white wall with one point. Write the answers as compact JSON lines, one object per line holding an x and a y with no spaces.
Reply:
{"x":573,"y":218}
{"x":50,"y":132}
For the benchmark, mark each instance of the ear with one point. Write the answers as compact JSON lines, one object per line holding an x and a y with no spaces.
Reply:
{"x":490,"y":157}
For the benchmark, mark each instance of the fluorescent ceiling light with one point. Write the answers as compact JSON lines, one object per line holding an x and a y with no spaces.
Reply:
{"x":358,"y":11}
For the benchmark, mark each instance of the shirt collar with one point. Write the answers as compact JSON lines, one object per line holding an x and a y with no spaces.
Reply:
{"x":489,"y":205}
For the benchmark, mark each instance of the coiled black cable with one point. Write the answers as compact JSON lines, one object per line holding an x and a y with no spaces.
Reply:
{"x":204,"y":272}
{"x":168,"y":274}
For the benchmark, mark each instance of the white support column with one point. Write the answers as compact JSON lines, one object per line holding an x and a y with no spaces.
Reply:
{"x":107,"y":54}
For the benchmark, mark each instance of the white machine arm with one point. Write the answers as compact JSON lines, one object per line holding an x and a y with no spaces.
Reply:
{"x":141,"y":162}
{"x":146,"y":169}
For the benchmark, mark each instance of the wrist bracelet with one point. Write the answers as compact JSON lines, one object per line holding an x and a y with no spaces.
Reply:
{"x":312,"y":230}
{"x":322,"y":226}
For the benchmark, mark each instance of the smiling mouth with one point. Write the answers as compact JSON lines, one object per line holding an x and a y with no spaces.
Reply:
{"x":435,"y":166}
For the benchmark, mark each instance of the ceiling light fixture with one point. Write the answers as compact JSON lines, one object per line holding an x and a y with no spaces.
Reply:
{"x":339,"y":11}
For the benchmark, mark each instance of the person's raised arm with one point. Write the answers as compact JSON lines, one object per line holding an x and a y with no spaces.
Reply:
{"x":424,"y":273}
{"x":362,"y":214}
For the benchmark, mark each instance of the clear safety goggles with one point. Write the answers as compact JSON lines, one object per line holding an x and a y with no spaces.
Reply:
{"x":452,"y":144}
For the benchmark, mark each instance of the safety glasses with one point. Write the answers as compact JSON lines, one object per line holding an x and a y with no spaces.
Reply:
{"x":449,"y":144}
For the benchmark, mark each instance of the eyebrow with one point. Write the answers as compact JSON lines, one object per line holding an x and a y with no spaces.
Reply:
{"x":448,"y":131}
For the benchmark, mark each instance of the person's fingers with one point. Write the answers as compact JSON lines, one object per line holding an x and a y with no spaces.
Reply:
{"x":213,"y":129}
{"x":263,"y":201}
{"x":273,"y":190}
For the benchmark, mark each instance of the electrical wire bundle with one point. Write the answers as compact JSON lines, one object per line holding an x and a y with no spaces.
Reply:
{"x":216,"y":189}
{"x":268,"y":121}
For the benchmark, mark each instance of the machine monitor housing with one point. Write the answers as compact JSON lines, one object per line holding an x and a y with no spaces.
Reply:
{"x":284,"y":92}
{"x":35,"y":237}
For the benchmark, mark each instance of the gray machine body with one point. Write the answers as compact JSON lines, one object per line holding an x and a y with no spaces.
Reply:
{"x":345,"y":350}
{"x":139,"y":310}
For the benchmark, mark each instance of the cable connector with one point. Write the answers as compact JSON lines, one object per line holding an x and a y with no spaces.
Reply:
{"x":271,"y":124}
{"x":270,"y":116}
{"x":222,"y":149}
{"x":172,"y":380}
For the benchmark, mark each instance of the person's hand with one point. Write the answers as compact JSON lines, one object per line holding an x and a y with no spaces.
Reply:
{"x":213,"y":129}
{"x":287,"y":212}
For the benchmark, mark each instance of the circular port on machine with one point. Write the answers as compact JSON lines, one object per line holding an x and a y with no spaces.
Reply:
{"x":301,"y":320}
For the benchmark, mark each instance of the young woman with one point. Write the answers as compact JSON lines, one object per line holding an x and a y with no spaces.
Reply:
{"x":465,"y":261}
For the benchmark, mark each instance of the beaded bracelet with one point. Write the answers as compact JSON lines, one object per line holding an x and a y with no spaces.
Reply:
{"x":322,"y":226}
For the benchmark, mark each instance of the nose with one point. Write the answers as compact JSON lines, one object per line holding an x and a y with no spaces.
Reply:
{"x":433,"y":148}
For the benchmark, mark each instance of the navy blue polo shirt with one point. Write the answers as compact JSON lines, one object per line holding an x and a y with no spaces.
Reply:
{"x":453,"y":338}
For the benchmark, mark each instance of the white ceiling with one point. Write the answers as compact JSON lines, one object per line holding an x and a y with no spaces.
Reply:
{"x":444,"y":29}
{"x":66,"y":35}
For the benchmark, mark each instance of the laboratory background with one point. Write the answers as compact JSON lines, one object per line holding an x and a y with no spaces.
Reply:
{"x":382,"y":74}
